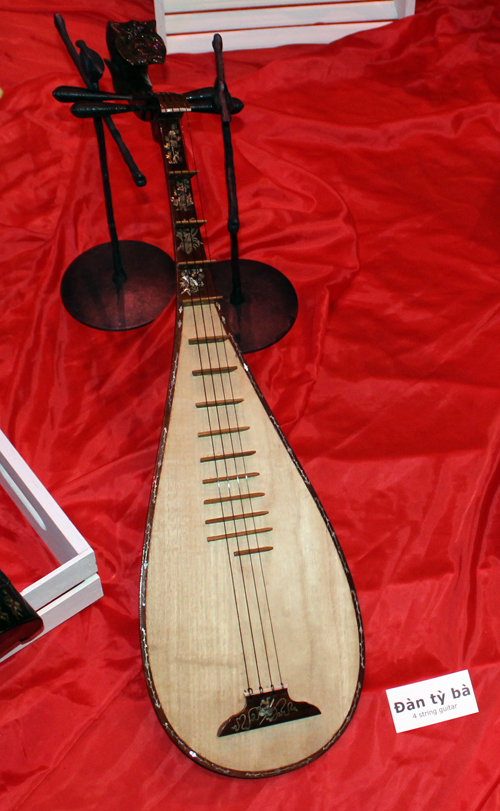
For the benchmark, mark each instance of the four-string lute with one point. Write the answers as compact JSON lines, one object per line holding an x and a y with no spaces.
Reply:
{"x":251,"y":631}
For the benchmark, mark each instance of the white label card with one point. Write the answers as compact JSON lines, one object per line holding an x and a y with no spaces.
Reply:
{"x":431,"y":701}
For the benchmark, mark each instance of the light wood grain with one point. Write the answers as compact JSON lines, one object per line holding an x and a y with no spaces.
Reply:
{"x":193,"y":646}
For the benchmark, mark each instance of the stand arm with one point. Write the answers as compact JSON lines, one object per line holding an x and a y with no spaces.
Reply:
{"x":233,"y":223}
{"x":138,"y":177}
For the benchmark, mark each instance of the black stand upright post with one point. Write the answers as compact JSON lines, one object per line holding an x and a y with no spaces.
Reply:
{"x":258,"y":302}
{"x":233,"y":223}
{"x":119,"y":276}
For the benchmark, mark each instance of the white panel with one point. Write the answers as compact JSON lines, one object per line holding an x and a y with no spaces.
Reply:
{"x":171,"y":6}
{"x":69,"y":604}
{"x":405,"y":8}
{"x":265,"y":37}
{"x":160,"y":18}
{"x":73,"y":585}
{"x":37,"y":505}
{"x":62,"y":579}
{"x":277,"y":17}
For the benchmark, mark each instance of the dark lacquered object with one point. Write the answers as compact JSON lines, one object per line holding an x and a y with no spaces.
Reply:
{"x":265,"y":709}
{"x":19,"y":622}
{"x":89,"y":292}
{"x":258,"y":302}
{"x":269,"y":307}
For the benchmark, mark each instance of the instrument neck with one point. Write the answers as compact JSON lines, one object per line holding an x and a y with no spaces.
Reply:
{"x":193,"y":276}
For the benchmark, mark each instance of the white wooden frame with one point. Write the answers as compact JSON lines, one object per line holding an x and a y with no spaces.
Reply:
{"x":189,"y":25}
{"x":75,"y":584}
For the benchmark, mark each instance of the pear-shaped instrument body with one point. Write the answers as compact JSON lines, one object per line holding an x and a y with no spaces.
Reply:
{"x":248,"y":607}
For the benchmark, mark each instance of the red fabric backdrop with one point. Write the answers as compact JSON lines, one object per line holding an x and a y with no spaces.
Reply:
{"x":368,"y":172}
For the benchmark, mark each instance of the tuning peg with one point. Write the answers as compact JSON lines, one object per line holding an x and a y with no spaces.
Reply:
{"x":59,"y":23}
{"x":216,"y":99}
{"x":99,"y":109}
{"x":205,"y":100}
{"x":70,"y":93}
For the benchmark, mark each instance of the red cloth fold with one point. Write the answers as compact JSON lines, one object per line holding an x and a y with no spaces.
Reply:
{"x":368,"y":172}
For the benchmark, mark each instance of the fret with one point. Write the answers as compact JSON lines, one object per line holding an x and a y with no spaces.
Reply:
{"x":217,"y":403}
{"x":210,"y":339}
{"x":222,"y":431}
{"x":255,"y":551}
{"x":219,"y":370}
{"x":171,"y":103}
{"x":243,"y":534}
{"x":223,"y":518}
{"x":222,"y":456}
{"x":192,"y":263}
{"x":197,"y":302}
{"x":224,"y":499}
{"x":183,"y":173}
{"x":234,"y":477}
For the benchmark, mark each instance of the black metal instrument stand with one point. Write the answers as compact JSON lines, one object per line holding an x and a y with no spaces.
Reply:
{"x":118,"y":285}
{"x":258,"y":302}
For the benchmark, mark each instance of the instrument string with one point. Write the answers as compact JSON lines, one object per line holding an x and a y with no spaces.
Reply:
{"x":224,"y":448}
{"x":254,"y":526}
{"x":167,"y":126}
{"x":200,"y":309}
{"x":212,"y":428}
{"x":238,"y":483}
{"x":245,"y":476}
{"x":227,"y":442}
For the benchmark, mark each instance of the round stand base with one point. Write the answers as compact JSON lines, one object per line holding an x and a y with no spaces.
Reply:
{"x":269,"y":309}
{"x":90,"y":296}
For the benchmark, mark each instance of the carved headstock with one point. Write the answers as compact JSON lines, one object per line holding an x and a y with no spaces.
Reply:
{"x":133,"y":46}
